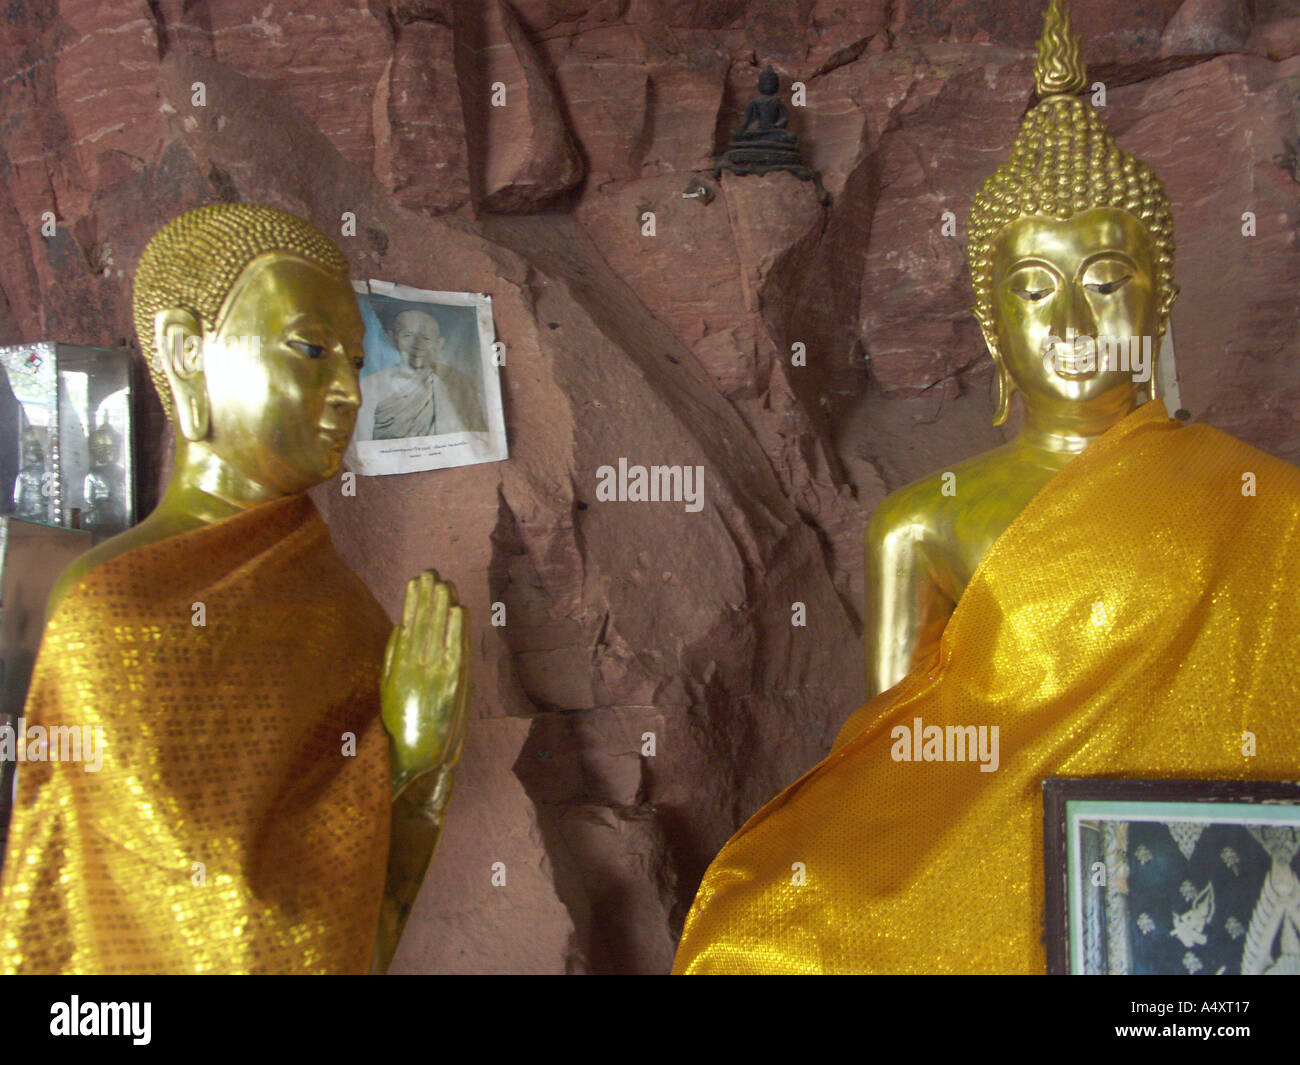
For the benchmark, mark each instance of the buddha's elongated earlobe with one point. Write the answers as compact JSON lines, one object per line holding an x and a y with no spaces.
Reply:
{"x":1006,"y":386}
{"x":178,"y":343}
{"x":1164,"y":338}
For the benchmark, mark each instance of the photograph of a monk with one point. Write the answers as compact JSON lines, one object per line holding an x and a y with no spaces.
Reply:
{"x":431,"y":388}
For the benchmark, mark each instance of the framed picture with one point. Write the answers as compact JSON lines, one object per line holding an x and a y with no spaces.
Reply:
{"x":1171,"y":877}
{"x":430,"y":386}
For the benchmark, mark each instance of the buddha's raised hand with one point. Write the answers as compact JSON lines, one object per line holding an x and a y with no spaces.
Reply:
{"x":424,"y":692}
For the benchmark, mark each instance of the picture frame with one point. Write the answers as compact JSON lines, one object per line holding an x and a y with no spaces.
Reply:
{"x":430,"y":386}
{"x":1148,"y":877}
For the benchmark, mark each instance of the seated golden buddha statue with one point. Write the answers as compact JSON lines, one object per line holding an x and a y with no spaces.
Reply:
{"x":1113,"y":593}
{"x":263,"y":734}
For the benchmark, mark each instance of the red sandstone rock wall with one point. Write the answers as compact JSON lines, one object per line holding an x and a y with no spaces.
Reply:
{"x":627,"y":619}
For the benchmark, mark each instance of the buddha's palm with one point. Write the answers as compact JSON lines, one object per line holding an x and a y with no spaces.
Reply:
{"x":424,"y":692}
{"x":424,"y":696}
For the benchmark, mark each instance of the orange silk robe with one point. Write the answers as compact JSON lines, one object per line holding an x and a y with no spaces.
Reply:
{"x":234,"y":826}
{"x":1139,"y":616}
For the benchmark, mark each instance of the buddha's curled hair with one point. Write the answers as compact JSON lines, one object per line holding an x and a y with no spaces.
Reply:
{"x":194,"y":260}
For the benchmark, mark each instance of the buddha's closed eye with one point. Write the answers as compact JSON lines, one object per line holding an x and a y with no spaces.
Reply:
{"x":1108,"y":287}
{"x":1032,"y":283}
{"x":312,"y":351}
{"x":1033,"y":295}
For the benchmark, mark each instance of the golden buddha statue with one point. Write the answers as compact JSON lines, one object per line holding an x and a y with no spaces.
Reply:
{"x":1071,"y":241}
{"x":1110,"y":594}
{"x":263,"y":734}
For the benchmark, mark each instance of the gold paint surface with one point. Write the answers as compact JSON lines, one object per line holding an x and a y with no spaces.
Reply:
{"x":223,"y":744}
{"x":1065,"y":162}
{"x":938,"y":867}
{"x":1091,"y":275}
{"x":253,"y":336}
{"x":1060,"y":68}
{"x":1071,"y":249}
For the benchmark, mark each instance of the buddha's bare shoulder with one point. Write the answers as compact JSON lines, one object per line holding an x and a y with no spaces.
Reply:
{"x":946,"y":523}
{"x":906,"y":513}
{"x":930,"y":506}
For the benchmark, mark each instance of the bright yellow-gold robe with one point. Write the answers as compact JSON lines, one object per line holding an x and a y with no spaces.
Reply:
{"x":239,"y":822}
{"x":1136,"y":620}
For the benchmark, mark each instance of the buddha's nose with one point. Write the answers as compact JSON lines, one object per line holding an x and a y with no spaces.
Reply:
{"x":345,"y":388}
{"x":1076,"y":314}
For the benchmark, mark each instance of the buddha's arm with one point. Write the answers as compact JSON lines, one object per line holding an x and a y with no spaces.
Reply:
{"x":416,"y":825}
{"x":425,"y":699}
{"x":906,"y":607}
{"x":748,"y":119}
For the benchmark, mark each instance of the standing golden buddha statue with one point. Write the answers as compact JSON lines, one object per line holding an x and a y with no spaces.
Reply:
{"x":1110,"y":594}
{"x":263,"y":734}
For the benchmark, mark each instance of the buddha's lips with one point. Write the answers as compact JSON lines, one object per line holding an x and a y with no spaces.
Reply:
{"x":1069,"y":361}
{"x":337,"y":435}
{"x":1070,"y":368}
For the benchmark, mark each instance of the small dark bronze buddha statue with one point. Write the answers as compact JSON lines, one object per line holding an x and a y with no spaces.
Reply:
{"x":762,"y":142}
